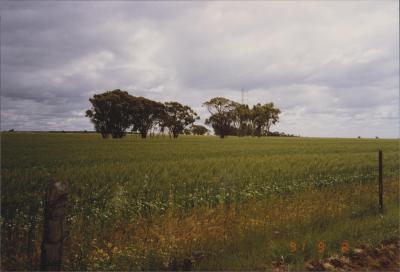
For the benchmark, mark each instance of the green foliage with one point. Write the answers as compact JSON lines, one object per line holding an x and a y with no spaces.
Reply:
{"x":263,"y":116}
{"x":145,"y":114}
{"x":199,"y":130}
{"x":222,"y":115}
{"x":244,"y":117}
{"x":110,"y":113}
{"x":232,"y":118}
{"x":117,"y":183}
{"x":115,"y":111}
{"x":178,"y":117}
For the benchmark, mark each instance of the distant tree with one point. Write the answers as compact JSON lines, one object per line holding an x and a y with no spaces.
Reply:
{"x":110,"y":113}
{"x":177,"y":117}
{"x":199,"y":130}
{"x":263,"y":117}
{"x":11,"y":130}
{"x":144,"y":114}
{"x":243,"y":119}
{"x":222,"y":112}
{"x":232,"y":118}
{"x":279,"y":134}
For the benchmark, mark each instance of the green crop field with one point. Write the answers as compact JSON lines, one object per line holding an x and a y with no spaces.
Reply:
{"x":203,"y":202}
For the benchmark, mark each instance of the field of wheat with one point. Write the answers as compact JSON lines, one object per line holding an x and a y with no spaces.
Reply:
{"x":196,"y":202}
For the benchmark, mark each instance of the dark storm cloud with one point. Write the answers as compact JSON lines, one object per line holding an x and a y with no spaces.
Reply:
{"x":331,"y":67}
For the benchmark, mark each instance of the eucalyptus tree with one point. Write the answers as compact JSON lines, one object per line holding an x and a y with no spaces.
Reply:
{"x":222,"y":117}
{"x":263,"y":117}
{"x":144,"y":114}
{"x":243,"y":119}
{"x":177,"y":117}
{"x":110,"y":113}
{"x":199,"y":130}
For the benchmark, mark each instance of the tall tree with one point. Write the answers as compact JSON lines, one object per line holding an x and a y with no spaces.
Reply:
{"x":222,"y":112}
{"x":263,"y":117}
{"x":110,"y":113}
{"x":145,"y":114}
{"x":243,"y":119}
{"x":177,"y":117}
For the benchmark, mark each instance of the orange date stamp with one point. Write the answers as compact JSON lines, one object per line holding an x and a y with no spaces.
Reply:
{"x":320,"y":246}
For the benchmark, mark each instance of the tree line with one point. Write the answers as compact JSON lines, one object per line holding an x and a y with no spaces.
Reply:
{"x":232,"y":118}
{"x":115,"y":112}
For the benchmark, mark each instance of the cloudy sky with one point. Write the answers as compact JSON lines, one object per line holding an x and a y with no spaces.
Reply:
{"x":332,"y":67}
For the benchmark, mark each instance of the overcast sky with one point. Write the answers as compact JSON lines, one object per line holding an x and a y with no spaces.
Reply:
{"x":331,"y":67}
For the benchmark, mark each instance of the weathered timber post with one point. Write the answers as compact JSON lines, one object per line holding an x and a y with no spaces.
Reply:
{"x":380,"y":181}
{"x":53,"y":231}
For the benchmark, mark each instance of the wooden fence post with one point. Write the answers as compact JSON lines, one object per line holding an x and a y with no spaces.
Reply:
{"x":380,"y":181}
{"x":53,"y":232}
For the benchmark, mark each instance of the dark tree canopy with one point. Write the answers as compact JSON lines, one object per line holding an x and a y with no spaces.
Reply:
{"x":199,"y":130}
{"x":113,"y":112}
{"x":110,"y":113}
{"x":232,"y":118}
{"x":264,"y":116}
{"x":145,"y":114}
{"x":243,"y":119}
{"x":177,"y":117}
{"x":222,"y":115}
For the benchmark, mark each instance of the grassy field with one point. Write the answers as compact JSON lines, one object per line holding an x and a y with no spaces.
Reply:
{"x":212,"y":204}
